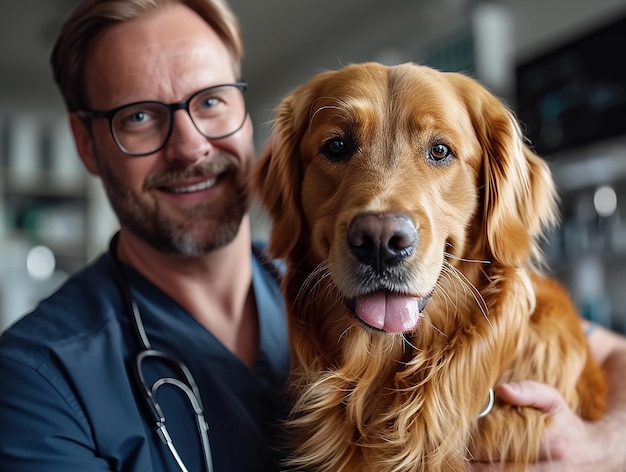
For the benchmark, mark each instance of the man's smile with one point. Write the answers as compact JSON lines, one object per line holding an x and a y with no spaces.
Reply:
{"x":197,"y":187}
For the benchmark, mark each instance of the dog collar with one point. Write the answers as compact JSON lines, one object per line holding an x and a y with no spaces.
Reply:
{"x":488,"y":405}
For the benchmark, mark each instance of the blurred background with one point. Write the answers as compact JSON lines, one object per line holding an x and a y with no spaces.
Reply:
{"x":559,"y":64}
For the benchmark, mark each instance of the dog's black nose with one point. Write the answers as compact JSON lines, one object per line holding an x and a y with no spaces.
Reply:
{"x":382,"y":240}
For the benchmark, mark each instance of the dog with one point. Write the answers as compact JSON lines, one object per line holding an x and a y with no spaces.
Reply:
{"x":409,"y":212}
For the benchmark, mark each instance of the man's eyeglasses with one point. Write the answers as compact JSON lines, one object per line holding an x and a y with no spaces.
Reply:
{"x":143,"y":128}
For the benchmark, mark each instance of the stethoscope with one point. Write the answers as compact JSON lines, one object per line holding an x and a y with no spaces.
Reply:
{"x":187,"y":386}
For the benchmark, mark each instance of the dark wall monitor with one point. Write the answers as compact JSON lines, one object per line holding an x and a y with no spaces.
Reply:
{"x":575,"y":94}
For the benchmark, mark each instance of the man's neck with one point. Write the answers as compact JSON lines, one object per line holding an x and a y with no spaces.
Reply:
{"x":215,"y":288}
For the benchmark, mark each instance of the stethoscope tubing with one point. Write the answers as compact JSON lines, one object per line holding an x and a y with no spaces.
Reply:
{"x":149,"y":393}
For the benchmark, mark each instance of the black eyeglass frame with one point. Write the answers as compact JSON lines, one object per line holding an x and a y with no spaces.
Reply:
{"x":87,"y":114}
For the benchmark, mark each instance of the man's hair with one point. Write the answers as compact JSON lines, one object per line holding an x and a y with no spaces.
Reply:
{"x":92,"y":17}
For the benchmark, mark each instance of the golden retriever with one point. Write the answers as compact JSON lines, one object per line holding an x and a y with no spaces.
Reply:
{"x":409,"y":210}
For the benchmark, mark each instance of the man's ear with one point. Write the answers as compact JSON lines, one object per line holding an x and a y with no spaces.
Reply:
{"x":83,"y":140}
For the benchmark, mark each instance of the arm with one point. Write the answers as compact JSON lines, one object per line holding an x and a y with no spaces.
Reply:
{"x":40,"y":429}
{"x":609,"y":349}
{"x":572,"y":443}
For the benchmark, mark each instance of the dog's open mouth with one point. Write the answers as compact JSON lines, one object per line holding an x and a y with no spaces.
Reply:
{"x":388,"y":311}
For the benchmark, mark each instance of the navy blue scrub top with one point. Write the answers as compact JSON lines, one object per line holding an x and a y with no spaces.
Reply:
{"x":67,"y":403}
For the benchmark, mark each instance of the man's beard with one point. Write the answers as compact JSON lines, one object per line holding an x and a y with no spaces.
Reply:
{"x":202,"y":227}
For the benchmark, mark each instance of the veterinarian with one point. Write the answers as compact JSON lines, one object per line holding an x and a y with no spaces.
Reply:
{"x":179,"y":311}
{"x":169,"y":352}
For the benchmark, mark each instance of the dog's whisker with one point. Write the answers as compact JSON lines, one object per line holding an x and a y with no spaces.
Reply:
{"x":444,"y":293}
{"x":454,"y":274}
{"x":341,"y":106}
{"x":330,"y":292}
{"x":309,"y":289}
{"x":344,"y":332}
{"x":458,"y":273}
{"x":314,"y":114}
{"x":314,"y":279}
{"x":466,"y":283}
{"x":462,"y":259}
{"x":405,"y":341}
{"x":458,"y":284}
{"x":433,"y":326}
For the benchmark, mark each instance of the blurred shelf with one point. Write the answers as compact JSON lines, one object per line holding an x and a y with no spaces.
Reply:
{"x":42,"y":184}
{"x":47,"y":199}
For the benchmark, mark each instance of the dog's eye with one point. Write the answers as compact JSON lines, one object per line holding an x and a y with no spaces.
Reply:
{"x":337,"y":149}
{"x":440,"y":152}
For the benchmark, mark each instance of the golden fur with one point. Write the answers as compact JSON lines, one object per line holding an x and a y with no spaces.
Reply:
{"x":438,"y":156}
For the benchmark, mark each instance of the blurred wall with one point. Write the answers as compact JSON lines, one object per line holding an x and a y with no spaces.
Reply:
{"x":47,"y":199}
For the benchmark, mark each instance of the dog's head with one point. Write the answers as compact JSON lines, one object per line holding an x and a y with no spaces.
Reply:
{"x":388,"y":178}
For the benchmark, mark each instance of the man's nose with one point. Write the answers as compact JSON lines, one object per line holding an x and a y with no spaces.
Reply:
{"x":186,"y":143}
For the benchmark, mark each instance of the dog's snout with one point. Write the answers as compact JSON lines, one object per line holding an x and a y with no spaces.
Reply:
{"x":382,"y":240}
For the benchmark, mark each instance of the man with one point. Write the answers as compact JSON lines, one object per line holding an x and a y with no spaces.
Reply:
{"x":176,"y":177}
{"x":79,"y":372}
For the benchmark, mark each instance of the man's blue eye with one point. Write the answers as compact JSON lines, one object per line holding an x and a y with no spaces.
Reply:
{"x":138,"y":117}
{"x":210,"y":102}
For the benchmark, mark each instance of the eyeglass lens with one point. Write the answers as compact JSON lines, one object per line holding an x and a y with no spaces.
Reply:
{"x":143,"y":128}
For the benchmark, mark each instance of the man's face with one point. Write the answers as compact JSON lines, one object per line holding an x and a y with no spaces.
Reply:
{"x":189,"y":197}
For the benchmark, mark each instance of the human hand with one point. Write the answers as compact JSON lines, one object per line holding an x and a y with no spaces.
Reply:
{"x":569,"y":443}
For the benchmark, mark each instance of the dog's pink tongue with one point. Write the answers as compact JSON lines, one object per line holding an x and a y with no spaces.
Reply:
{"x":389,"y":312}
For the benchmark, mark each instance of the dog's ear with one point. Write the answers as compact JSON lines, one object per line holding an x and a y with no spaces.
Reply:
{"x":518,"y":193}
{"x":278,"y":176}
